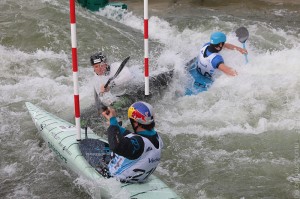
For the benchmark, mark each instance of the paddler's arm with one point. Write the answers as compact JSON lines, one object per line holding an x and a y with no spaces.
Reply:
{"x":110,"y":114}
{"x":227,"y":70}
{"x":218,"y":62}
{"x":130,"y":148}
{"x":114,"y":122}
{"x":234,"y":47}
{"x":103,"y":90}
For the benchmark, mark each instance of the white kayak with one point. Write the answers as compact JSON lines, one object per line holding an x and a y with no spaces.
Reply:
{"x":60,"y":137}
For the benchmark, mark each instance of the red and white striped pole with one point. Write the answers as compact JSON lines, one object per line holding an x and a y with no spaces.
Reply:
{"x":75,"y":68}
{"x":146,"y":47}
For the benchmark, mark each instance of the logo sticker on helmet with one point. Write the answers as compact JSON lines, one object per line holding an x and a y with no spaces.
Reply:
{"x":96,"y":61}
{"x":141,"y":112}
{"x":137,"y":115}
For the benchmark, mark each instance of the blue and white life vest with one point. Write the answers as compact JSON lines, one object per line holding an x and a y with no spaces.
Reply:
{"x":137,"y":170}
{"x":205,"y":66}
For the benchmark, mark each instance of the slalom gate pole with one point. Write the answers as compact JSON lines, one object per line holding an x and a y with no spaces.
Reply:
{"x":146,"y":47}
{"x":75,"y":69}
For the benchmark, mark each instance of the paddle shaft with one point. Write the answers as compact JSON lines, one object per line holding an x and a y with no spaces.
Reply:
{"x":246,"y":56}
{"x":118,"y":72}
{"x":99,"y":105}
{"x":243,"y":34}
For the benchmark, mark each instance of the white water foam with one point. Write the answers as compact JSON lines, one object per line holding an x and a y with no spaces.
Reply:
{"x":263,"y":97}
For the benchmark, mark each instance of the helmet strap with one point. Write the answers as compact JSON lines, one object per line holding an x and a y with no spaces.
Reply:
{"x":134,"y":127}
{"x":107,"y":70}
{"x":212,"y":48}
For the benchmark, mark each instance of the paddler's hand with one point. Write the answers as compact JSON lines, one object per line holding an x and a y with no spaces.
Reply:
{"x":242,"y":50}
{"x":109,"y":113}
{"x":103,"y":90}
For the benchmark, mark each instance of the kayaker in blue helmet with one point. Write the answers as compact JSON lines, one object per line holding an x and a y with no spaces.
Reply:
{"x":136,"y":154}
{"x":209,"y":58}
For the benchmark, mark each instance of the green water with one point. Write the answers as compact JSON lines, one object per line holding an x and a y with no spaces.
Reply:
{"x":238,"y":140}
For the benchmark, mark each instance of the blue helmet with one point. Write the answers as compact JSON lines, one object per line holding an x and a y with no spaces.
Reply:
{"x":217,"y":37}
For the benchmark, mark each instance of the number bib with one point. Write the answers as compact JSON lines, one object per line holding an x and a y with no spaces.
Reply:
{"x":204,"y":63}
{"x":139,"y":169}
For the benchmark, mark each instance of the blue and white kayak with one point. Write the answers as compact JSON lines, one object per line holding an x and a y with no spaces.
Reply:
{"x":84,"y":156}
{"x":199,"y":82}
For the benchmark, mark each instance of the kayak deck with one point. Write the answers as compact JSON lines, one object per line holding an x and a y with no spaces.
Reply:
{"x":199,"y":82}
{"x":60,"y":137}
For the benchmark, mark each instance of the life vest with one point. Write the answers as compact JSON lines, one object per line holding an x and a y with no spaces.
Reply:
{"x":137,"y":170}
{"x":204,"y":63}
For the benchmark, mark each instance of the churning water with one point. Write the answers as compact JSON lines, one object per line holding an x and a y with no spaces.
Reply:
{"x":240,"y":139}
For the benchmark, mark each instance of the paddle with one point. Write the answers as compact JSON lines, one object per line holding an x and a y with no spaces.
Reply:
{"x":118,"y":72}
{"x":99,"y":105}
{"x":243,"y":34}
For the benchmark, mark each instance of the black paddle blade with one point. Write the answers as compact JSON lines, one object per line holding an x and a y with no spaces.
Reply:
{"x":121,"y":67}
{"x":118,"y":71}
{"x":242,"y":34}
{"x":99,"y":105}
